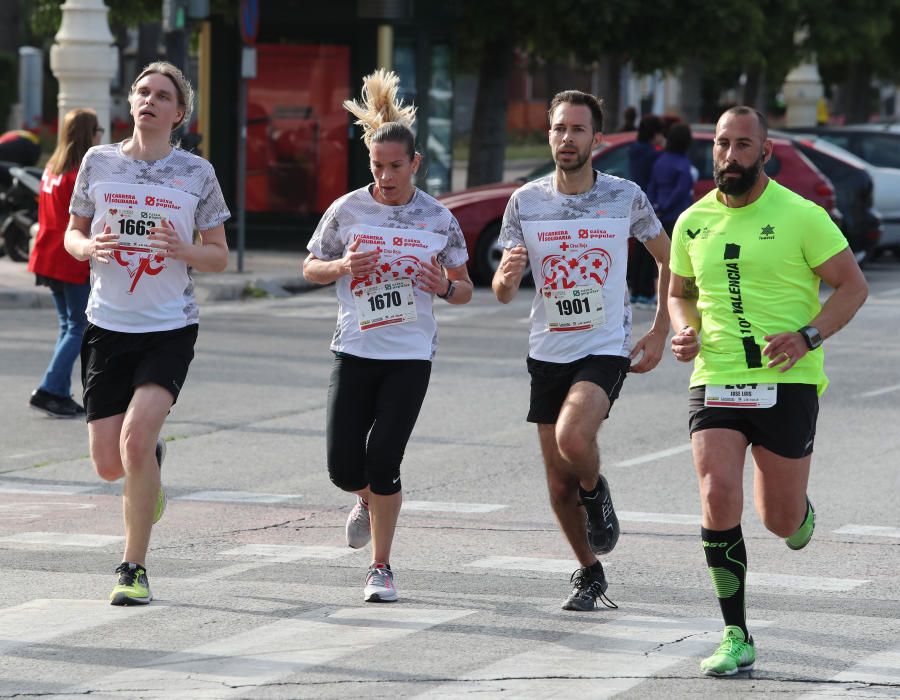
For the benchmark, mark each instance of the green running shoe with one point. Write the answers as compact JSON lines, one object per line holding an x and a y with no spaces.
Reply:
{"x":734,"y":654}
{"x":161,"y":496}
{"x":804,"y":533}
{"x":133,"y":587}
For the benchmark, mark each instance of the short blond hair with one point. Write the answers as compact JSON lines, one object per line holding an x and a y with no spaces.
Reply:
{"x":183,"y":87}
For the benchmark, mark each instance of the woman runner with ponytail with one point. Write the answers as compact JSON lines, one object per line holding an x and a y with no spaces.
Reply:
{"x":390,"y":248}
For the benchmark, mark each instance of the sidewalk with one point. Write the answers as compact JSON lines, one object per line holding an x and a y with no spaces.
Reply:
{"x":266,"y":272}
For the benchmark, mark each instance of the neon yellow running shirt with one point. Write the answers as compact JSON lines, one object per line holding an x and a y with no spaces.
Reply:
{"x":753,"y":268}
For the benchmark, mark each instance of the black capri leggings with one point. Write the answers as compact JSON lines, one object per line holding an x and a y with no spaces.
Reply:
{"x":372,"y":409}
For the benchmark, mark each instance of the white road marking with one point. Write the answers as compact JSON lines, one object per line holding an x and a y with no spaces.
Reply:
{"x":238,"y":497}
{"x":36,"y":511}
{"x":653,"y":456}
{"x":619,"y":652}
{"x":667,"y":518}
{"x":39,"y":621}
{"x":288,"y":552}
{"x":804,"y":583}
{"x":878,"y":392}
{"x":43,"y":489}
{"x":869,"y":530}
{"x":236,"y":665}
{"x":445,"y":507}
{"x":555,"y":566}
{"x":874,"y":676}
{"x":63,"y":539}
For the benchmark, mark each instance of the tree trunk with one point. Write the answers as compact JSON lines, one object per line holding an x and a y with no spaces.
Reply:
{"x":752,"y":87}
{"x":856,"y":93}
{"x":487,"y":145}
{"x":612,"y":95}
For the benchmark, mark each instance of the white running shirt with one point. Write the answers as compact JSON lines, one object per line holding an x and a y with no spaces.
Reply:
{"x":578,"y":250}
{"x":405,"y":235}
{"x":138,"y":291}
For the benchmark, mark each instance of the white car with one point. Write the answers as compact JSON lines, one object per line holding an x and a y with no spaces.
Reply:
{"x":879,"y":146}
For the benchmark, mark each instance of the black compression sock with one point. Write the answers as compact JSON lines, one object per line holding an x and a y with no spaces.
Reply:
{"x":595,"y":568}
{"x":726,"y":558}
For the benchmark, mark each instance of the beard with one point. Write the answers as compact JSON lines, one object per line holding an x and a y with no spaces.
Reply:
{"x":740,"y":185}
{"x":573,"y":165}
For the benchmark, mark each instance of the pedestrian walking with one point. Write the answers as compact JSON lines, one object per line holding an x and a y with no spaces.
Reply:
{"x":390,"y":248}
{"x":642,"y":156}
{"x":135,"y":208}
{"x":671,"y":186}
{"x":747,"y":261}
{"x":574,"y":226}
{"x":67,"y":278}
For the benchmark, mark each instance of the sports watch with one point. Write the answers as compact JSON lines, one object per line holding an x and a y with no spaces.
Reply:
{"x":812,"y":336}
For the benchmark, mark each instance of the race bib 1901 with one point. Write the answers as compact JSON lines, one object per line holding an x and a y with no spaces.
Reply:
{"x":573,"y":309}
{"x":741,"y":395}
{"x":133,"y":227}
{"x":385,"y":304}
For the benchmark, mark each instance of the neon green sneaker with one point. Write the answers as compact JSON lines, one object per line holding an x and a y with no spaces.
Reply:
{"x":161,"y":496}
{"x":133,"y":587}
{"x":804,"y":533}
{"x":734,"y":654}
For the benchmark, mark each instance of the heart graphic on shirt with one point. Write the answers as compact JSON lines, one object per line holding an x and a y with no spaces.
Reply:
{"x":566,"y":271}
{"x":113,"y":211}
{"x":139,"y":264}
{"x":406,"y":266}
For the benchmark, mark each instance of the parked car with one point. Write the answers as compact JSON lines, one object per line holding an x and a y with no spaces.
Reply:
{"x":479,"y":210}
{"x":854,"y":189}
{"x":879,"y":146}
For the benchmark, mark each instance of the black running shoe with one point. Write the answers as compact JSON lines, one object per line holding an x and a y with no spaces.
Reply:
{"x":54,"y":406}
{"x":602,"y":523}
{"x":587,"y":587}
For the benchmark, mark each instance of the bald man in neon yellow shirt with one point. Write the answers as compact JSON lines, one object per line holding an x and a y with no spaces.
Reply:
{"x":746,"y":263}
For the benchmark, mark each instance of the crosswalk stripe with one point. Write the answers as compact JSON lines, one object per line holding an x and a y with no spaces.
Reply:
{"x":667,"y":518}
{"x":803,"y":583}
{"x":237,"y":497}
{"x":43,"y":489}
{"x":445,"y":507}
{"x":653,"y":456}
{"x":869,"y":530}
{"x":877,"y":675}
{"x":556,"y":566}
{"x":41,"y":620}
{"x":63,"y":539}
{"x":622,"y":652}
{"x":287,"y":552}
{"x":235,"y":665}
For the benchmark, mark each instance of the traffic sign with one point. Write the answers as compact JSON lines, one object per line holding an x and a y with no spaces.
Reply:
{"x":249,"y":21}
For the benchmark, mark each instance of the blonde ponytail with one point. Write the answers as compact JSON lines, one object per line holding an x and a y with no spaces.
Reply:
{"x":379,"y":106}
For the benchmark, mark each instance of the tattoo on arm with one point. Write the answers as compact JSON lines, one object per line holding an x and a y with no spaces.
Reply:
{"x":689,"y":288}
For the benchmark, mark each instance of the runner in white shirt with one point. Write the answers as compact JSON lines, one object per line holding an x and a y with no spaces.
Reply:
{"x":134,"y":210}
{"x":390,"y":248}
{"x":573,"y":227}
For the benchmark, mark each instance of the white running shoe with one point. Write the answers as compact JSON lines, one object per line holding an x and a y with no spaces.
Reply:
{"x":359,"y":527}
{"x":380,"y":585}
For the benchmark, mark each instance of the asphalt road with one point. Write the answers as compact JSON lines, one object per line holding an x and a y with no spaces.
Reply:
{"x":258,"y":596}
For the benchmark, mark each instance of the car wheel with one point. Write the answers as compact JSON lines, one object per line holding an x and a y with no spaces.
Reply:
{"x":488,"y":253}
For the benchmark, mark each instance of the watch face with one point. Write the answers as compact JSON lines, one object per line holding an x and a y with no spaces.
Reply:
{"x":813,"y":337}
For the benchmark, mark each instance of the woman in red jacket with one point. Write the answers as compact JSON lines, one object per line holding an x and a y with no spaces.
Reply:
{"x":52,"y":265}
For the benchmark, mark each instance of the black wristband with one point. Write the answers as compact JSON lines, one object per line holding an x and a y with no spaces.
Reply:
{"x":450,"y":287}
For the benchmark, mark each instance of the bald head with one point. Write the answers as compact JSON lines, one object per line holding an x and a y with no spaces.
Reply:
{"x":743,"y":111}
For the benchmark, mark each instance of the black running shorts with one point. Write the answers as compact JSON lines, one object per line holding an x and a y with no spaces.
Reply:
{"x":551,"y":381}
{"x":113,"y":364}
{"x":788,"y":428}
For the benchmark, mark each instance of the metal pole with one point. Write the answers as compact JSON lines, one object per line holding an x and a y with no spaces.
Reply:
{"x":241,"y":167}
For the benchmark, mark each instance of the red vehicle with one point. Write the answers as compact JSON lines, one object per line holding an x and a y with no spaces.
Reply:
{"x":479,"y":210}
